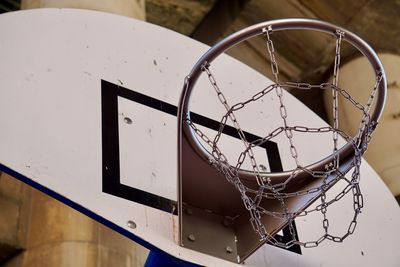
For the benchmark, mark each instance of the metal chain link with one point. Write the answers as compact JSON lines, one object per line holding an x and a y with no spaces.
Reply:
{"x":335,"y":100}
{"x":233,"y":119}
{"x":279,"y":93}
{"x":252,"y":198}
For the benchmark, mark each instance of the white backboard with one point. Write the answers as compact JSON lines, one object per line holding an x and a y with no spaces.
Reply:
{"x":88,"y":106}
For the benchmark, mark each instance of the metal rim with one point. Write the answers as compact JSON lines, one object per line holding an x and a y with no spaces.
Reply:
{"x":279,"y":25}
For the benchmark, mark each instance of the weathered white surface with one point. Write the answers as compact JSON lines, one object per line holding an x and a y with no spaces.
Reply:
{"x":52,"y":62}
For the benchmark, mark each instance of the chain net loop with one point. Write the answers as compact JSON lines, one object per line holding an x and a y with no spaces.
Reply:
{"x":251,"y":197}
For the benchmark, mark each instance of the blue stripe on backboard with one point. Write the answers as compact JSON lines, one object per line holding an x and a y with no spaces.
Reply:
{"x":90,"y":214}
{"x":156,"y":259}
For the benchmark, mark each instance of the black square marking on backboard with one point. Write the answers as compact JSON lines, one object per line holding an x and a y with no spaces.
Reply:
{"x":110,"y":149}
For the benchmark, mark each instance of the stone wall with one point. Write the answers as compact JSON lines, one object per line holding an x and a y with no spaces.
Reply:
{"x":47,"y":233}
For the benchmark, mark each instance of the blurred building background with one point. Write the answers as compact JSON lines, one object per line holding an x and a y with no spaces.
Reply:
{"x":38,"y":231}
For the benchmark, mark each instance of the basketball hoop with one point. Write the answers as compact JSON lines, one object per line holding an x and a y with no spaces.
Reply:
{"x":279,"y":186}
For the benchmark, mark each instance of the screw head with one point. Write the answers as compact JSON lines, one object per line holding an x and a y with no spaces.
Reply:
{"x":266,"y":179}
{"x":191,"y":237}
{"x":229,"y":249}
{"x":128,"y":120}
{"x":262,"y":167}
{"x":131,"y":224}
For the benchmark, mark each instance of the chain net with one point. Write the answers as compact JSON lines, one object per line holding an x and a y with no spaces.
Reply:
{"x":267,"y":188}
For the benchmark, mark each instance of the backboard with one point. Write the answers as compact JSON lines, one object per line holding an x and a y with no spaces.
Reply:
{"x":88,"y":105}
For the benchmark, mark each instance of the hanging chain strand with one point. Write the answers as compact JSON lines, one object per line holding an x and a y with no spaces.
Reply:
{"x":279,"y":92}
{"x":335,"y":100}
{"x":233,"y":119}
{"x":251,"y":197}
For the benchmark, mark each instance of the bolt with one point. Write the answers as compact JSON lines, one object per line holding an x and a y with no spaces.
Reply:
{"x":131,"y":224}
{"x":329,"y":166}
{"x":229,"y":249}
{"x":266,"y":179}
{"x":128,"y":120}
{"x":191,"y":237}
